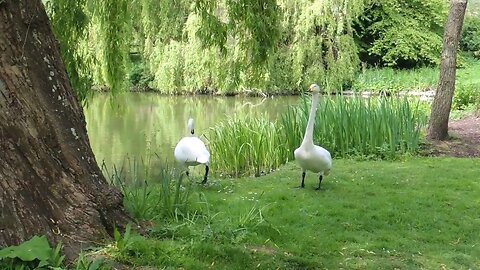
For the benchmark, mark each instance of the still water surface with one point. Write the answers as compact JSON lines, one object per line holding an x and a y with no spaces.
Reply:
{"x":141,"y":124}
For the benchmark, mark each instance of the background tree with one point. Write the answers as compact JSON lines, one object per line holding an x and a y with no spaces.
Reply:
{"x":50,"y":181}
{"x":442,"y":103}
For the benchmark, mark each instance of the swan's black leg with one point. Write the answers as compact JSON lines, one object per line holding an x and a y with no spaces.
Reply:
{"x":320,"y":178}
{"x":303,"y":180}
{"x":206,"y":175}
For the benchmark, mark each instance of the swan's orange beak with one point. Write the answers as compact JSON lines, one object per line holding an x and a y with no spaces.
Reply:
{"x":310,"y":89}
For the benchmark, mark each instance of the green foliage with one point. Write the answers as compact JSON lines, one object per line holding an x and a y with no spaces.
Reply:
{"x":122,"y":242}
{"x":84,"y":263}
{"x":139,"y":75}
{"x":36,"y":253}
{"x":275,"y":46}
{"x":390,"y":81}
{"x":70,"y":26}
{"x":112,"y":19}
{"x":470,"y":40}
{"x":405,"y":33}
{"x":222,"y":47}
{"x":254,"y":24}
{"x":36,"y":250}
{"x":32,"y":254}
{"x":466,"y":95}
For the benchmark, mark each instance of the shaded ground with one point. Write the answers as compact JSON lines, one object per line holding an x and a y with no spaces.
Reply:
{"x":464,"y":142}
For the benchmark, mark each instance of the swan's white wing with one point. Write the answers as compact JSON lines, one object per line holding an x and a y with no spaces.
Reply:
{"x":191,"y":151}
{"x":315,"y":159}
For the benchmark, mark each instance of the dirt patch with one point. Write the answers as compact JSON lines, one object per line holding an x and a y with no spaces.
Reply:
{"x":464,"y":141}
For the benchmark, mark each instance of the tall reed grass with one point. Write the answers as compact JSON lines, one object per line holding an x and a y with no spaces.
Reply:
{"x":374,"y":127}
{"x":348,"y":127}
{"x":246,"y":145}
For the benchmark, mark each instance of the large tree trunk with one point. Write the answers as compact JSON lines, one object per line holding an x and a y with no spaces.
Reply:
{"x":442,"y":103}
{"x":50,"y":183}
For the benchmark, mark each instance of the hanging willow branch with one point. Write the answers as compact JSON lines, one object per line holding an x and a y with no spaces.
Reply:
{"x":280,"y":45}
{"x":255,"y":24}
{"x":69,"y":23}
{"x":114,"y":25}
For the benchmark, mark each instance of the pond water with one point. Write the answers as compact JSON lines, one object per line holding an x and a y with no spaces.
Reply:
{"x":138,"y":125}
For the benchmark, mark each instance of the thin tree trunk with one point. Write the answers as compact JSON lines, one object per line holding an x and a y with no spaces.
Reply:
{"x":50,"y":183}
{"x":442,"y":103}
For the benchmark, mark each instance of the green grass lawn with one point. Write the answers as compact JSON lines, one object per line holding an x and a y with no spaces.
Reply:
{"x":410,"y":214}
{"x":420,"y":79}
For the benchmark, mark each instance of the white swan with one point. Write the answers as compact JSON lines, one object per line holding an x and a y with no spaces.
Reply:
{"x":191,"y":151}
{"x":309,"y":156}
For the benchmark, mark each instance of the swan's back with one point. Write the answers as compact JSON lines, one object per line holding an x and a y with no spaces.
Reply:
{"x":191,"y":151}
{"x":314,"y":158}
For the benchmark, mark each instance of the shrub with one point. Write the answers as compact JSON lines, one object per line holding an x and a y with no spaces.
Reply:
{"x":401,"y":33}
{"x":470,"y":40}
{"x":140,"y":75}
{"x":465,"y":96}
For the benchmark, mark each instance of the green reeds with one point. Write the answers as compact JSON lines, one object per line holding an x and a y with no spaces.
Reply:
{"x":374,"y":127}
{"x":249,"y":145}
{"x":348,"y":127}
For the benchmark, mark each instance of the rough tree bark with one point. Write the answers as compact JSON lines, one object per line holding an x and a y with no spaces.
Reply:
{"x":442,"y":103}
{"x":50,"y":183}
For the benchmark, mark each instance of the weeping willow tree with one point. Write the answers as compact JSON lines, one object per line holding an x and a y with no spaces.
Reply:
{"x":221,"y":46}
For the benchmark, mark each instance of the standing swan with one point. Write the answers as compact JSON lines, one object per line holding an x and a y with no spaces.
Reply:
{"x":309,"y":156}
{"x":191,"y":151}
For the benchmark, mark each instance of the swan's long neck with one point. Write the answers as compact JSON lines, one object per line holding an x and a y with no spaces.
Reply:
{"x":190,"y":127}
{"x":308,"y":139}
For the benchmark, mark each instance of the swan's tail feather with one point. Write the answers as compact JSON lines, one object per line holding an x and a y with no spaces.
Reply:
{"x":203,"y":159}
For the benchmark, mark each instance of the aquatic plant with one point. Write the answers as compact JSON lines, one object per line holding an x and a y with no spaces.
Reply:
{"x":246,"y":145}
{"x":348,"y":127}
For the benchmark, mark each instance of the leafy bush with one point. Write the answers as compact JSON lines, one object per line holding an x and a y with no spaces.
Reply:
{"x":140,"y":75}
{"x":465,"y":96}
{"x":470,"y":40}
{"x":402,"y":33}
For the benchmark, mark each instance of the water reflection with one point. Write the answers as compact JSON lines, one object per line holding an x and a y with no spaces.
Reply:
{"x":141,"y":124}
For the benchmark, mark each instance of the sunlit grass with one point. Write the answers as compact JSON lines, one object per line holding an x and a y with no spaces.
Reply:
{"x":389,"y":80}
{"x":419,"y":213}
{"x":150,"y":193}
